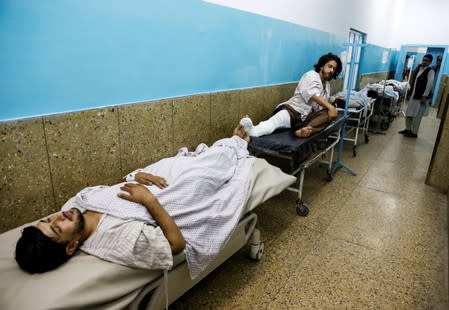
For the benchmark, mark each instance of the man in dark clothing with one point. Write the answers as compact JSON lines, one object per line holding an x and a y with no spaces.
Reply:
{"x":418,"y":105}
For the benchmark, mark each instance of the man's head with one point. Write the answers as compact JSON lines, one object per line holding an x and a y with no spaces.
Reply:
{"x":51,"y":242}
{"x":427,"y":60}
{"x":328,"y":66}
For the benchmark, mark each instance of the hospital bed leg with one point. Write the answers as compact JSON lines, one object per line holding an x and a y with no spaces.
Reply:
{"x":256,"y":246}
{"x":301,"y":207}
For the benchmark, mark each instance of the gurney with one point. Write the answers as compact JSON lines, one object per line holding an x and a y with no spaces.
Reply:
{"x":359,"y":110}
{"x":87,"y":282}
{"x":294,"y":155}
{"x":358,"y":120}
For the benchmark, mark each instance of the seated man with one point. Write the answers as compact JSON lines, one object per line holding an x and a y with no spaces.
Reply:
{"x":196,"y":206}
{"x":309,"y":110}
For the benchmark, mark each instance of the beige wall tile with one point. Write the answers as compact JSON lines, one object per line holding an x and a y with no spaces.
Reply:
{"x":287,"y":91}
{"x":83,"y":150}
{"x":252,"y":104}
{"x":25,"y":186}
{"x":273,"y":97}
{"x":191,"y":121}
{"x":146,"y":133}
{"x":336,"y":86}
{"x":224,"y":114}
{"x":372,"y":78}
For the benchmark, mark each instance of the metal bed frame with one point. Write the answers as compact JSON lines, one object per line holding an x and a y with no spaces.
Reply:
{"x":321,"y":143}
{"x":358,"y":119}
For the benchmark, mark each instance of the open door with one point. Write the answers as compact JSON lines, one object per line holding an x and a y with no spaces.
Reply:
{"x":417,"y":51}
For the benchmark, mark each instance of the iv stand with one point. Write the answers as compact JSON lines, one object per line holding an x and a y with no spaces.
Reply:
{"x":338,"y":163}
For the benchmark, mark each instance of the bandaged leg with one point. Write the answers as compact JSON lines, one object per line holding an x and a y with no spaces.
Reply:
{"x":280,"y":120}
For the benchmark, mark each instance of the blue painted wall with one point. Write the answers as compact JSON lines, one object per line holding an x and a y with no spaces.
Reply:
{"x":67,"y":55}
{"x":372,"y":59}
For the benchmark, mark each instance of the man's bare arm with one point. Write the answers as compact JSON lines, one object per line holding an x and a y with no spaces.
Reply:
{"x":140,"y":194}
{"x":332,"y":111}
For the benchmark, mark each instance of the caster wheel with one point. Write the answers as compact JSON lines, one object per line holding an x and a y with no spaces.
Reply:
{"x":366,"y":139}
{"x":330,"y":177}
{"x":257,"y":251}
{"x":354,"y":151}
{"x":384,"y":125}
{"x":301,"y":208}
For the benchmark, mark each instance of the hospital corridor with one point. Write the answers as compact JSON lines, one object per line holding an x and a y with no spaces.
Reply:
{"x":224,"y":154}
{"x":374,"y":241}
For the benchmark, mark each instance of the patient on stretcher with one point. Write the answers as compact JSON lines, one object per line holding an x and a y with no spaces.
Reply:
{"x":189,"y":202}
{"x":309,"y":110}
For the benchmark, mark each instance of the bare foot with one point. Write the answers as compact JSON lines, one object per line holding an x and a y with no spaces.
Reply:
{"x":241,"y":132}
{"x":303,"y":132}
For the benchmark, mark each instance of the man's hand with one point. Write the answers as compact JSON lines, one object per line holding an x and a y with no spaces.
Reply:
{"x":140,"y":194}
{"x":332,"y":112}
{"x":331,"y":109}
{"x":149,"y":179}
{"x":136,"y":193}
{"x":424,"y":99}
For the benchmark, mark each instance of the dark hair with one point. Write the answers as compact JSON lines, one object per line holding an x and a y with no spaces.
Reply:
{"x":325,"y":59}
{"x":37,"y":253}
{"x":429,"y":56}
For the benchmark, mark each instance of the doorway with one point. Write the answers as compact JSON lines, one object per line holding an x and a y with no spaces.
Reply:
{"x":356,"y":40}
{"x":410,"y":56}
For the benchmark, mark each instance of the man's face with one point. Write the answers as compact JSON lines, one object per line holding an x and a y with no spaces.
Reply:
{"x":426,"y":61}
{"x":63,"y":226}
{"x":327,"y":71}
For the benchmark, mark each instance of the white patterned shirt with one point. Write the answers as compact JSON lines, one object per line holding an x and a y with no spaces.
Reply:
{"x":129,"y":242}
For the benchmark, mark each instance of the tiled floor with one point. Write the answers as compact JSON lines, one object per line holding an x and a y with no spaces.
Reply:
{"x":377,"y":240}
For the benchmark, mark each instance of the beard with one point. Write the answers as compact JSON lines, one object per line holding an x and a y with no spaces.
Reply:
{"x":329,"y":77}
{"x":79,"y":223}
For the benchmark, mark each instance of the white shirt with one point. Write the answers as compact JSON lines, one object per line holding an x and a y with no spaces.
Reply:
{"x":308,"y":86}
{"x":127,"y":242}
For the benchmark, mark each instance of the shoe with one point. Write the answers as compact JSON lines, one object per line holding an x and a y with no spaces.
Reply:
{"x":410,"y":135}
{"x":402,"y":132}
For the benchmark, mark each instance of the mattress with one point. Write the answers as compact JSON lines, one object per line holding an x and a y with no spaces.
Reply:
{"x":283,"y":149}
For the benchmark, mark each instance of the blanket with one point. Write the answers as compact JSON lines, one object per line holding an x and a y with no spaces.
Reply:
{"x":206,"y":194}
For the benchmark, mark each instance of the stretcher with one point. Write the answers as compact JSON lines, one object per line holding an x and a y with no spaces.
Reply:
{"x":294,"y":155}
{"x":358,"y":120}
{"x":87,"y":282}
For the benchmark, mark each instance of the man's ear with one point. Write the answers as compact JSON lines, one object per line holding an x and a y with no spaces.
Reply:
{"x":72,"y":246}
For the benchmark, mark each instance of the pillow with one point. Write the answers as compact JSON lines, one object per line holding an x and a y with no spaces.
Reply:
{"x":268,"y":181}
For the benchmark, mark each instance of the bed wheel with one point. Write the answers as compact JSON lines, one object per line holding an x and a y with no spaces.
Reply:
{"x":256,"y":246}
{"x":384,"y":125}
{"x":256,"y":251}
{"x":354,"y":151}
{"x":366,"y":139}
{"x":330,"y":177}
{"x":301,"y":208}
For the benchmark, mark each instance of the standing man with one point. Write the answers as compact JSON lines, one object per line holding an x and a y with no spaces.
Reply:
{"x":418,"y":105}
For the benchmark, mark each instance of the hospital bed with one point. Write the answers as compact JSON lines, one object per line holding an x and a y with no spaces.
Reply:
{"x":294,"y":155}
{"x":390,"y":95}
{"x":358,"y":123}
{"x":87,"y":282}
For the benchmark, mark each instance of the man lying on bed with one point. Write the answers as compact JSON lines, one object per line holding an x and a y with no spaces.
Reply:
{"x":196,"y":205}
